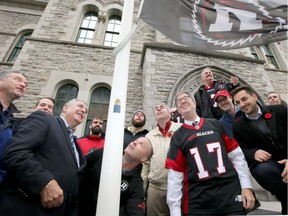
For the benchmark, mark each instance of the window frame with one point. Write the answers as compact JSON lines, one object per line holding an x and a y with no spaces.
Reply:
{"x":20,"y":42}
{"x":87,"y":29}
{"x":114,"y":18}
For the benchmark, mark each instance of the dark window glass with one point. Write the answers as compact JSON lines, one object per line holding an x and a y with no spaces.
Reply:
{"x":254,"y":52}
{"x":269,"y":55}
{"x":18,"y":47}
{"x":99,"y":105}
{"x":64,"y":94}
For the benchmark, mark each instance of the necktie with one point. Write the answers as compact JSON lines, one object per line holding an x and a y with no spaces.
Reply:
{"x":73,"y":145}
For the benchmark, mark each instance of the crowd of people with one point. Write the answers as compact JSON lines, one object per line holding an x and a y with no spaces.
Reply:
{"x":196,"y":161}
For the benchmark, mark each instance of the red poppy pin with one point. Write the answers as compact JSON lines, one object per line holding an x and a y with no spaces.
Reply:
{"x":267,"y":115}
{"x":169,"y":134}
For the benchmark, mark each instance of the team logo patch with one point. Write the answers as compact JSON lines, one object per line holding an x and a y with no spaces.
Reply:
{"x":124,"y":185}
{"x":238,"y":198}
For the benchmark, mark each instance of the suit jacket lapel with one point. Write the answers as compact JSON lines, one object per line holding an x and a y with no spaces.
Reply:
{"x":271,"y":122}
{"x":68,"y":142}
{"x":248,"y":126}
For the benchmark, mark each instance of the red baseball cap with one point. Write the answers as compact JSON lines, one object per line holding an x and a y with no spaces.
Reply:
{"x":221,"y":93}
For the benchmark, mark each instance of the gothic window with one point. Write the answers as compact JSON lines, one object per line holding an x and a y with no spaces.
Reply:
{"x":99,"y":105}
{"x":19,"y":45}
{"x":87,"y":28}
{"x":64,"y":94}
{"x":112,"y":31}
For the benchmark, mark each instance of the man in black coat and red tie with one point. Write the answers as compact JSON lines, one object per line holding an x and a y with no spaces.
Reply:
{"x":44,"y":164}
{"x":261,"y":132}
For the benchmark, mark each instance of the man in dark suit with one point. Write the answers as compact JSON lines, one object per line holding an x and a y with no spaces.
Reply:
{"x":43,"y":165}
{"x":262,"y":135}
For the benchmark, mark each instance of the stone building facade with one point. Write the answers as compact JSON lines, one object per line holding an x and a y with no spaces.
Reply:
{"x":158,"y":67}
{"x":51,"y":57}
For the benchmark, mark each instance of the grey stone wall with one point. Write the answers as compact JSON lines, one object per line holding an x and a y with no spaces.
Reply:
{"x":11,"y":21}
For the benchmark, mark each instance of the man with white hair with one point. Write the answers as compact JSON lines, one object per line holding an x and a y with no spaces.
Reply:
{"x":154,"y":173}
{"x":44,"y":163}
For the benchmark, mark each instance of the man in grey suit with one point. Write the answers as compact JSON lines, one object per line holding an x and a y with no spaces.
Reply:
{"x":43,"y":164}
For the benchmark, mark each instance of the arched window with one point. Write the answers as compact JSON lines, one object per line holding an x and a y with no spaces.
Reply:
{"x":18,"y":47}
{"x":87,"y":28}
{"x":64,"y":94}
{"x":112,"y":31}
{"x":99,"y":105}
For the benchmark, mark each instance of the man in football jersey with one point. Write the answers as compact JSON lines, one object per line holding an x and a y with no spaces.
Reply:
{"x":211,"y":166}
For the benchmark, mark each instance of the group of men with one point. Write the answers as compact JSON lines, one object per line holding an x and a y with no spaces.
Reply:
{"x":175,"y":169}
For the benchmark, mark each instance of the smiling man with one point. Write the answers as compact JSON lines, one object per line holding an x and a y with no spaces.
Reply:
{"x":13,"y":85}
{"x":204,"y":164}
{"x":261,"y":132}
{"x":43,"y":163}
{"x":132,"y":193}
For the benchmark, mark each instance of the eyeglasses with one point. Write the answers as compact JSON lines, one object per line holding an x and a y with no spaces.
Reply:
{"x":223,"y":100}
{"x":185,"y":98}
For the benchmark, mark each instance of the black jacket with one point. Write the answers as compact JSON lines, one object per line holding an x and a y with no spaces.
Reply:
{"x":40,"y":150}
{"x":129,"y":137}
{"x":132,"y":193}
{"x":251,"y":139}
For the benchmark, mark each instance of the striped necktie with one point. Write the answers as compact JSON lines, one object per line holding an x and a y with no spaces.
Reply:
{"x":70,"y":131}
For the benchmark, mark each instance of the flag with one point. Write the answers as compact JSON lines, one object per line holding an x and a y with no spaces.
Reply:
{"x":218,"y":24}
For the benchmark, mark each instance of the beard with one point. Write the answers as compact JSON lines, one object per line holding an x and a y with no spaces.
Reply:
{"x":96,"y":131}
{"x":138,"y":124}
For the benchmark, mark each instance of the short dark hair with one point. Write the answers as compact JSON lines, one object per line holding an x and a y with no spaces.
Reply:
{"x":247,"y":88}
{"x":49,"y":98}
{"x":97,"y":117}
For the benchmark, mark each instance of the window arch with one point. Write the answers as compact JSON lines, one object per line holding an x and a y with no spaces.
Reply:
{"x":112,"y":31}
{"x":87,"y":28}
{"x":18,"y":47}
{"x":64,"y":94}
{"x":99,"y":105}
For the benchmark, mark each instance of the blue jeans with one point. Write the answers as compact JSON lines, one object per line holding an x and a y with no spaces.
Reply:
{"x":268,"y":175}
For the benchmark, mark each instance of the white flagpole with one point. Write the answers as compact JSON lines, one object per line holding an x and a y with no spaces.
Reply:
{"x":109,"y":188}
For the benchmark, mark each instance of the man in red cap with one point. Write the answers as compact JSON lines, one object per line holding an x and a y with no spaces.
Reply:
{"x":225,"y":103}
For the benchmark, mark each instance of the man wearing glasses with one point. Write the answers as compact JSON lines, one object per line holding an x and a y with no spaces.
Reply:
{"x":206,"y":166}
